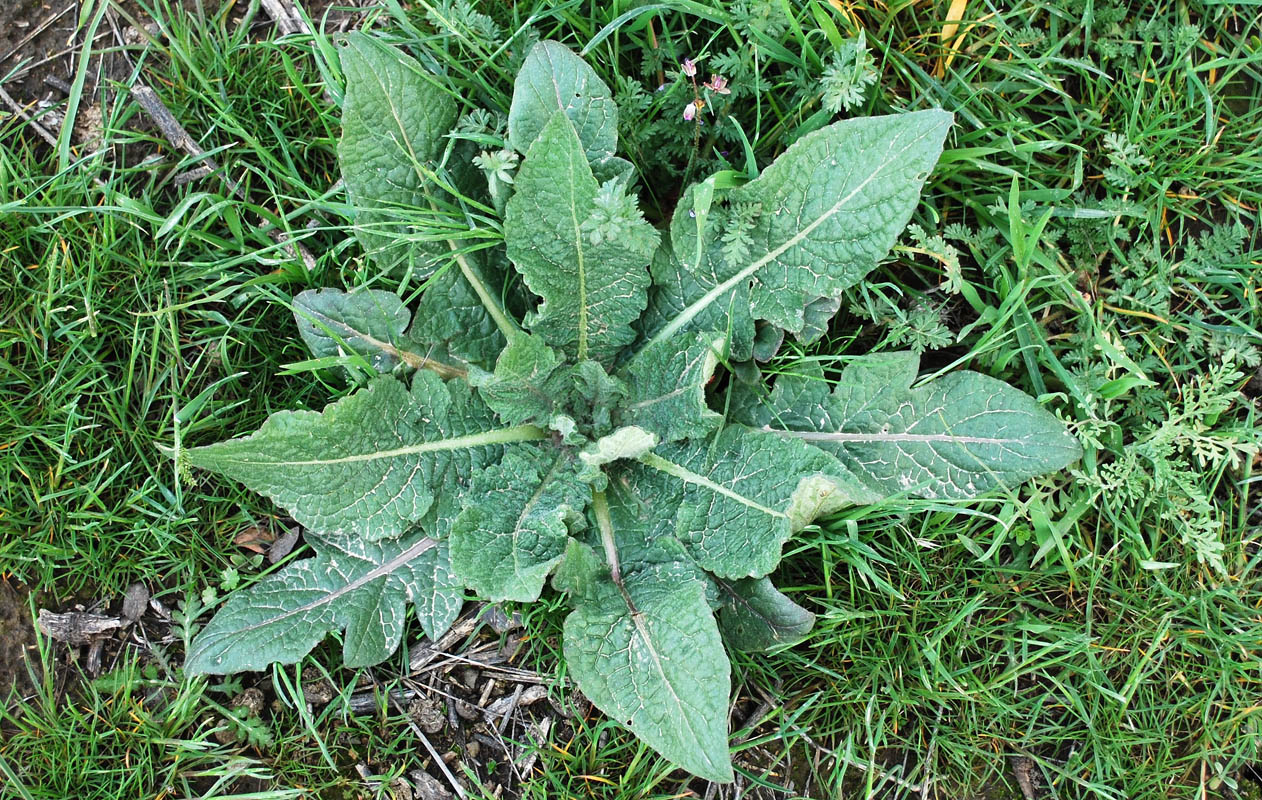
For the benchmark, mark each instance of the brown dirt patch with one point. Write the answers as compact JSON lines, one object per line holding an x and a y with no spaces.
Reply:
{"x":31,"y":40}
{"x":17,"y":643}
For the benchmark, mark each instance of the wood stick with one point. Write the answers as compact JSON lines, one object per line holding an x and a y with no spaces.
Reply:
{"x":173,"y":131}
{"x":438,"y":759}
{"x":30,"y":120}
{"x":286,"y":17}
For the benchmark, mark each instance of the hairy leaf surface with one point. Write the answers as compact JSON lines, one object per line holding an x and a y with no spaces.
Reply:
{"x":528,"y":384}
{"x":667,"y":388}
{"x":394,"y":119}
{"x":831,"y":205}
{"x":652,"y":659}
{"x":593,"y":288}
{"x":354,"y":586}
{"x":742,"y":493}
{"x":627,"y":442}
{"x":514,"y":528}
{"x":370,"y":323}
{"x":451,"y":320}
{"x":553,"y":79}
{"x":688,"y":263}
{"x":645,"y":644}
{"x":756,"y":616}
{"x":956,"y":437}
{"x":371,"y":463}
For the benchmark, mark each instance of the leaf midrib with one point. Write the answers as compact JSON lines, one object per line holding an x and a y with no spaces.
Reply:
{"x":925,"y":438}
{"x":373,"y":574}
{"x":699,"y":305}
{"x":517,"y":433}
{"x":519,"y":526}
{"x":688,"y":476}
{"x":579,"y":255}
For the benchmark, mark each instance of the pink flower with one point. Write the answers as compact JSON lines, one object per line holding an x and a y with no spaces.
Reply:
{"x":690,"y":112}
{"x":718,"y":84}
{"x":690,"y":68}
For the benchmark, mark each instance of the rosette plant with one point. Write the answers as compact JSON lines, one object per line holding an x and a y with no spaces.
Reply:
{"x":549,"y":411}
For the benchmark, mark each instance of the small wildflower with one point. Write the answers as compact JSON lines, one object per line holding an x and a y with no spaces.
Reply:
{"x":690,"y":68}
{"x":718,"y":85}
{"x":690,"y":111}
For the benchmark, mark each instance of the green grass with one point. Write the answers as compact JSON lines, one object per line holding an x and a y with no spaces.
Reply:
{"x":1102,"y":623}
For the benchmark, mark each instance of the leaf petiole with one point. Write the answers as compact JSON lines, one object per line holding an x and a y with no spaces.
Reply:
{"x":492,"y":306}
{"x":600,"y":506}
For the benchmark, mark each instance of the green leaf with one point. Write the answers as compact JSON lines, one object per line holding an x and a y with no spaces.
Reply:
{"x":643,"y":522}
{"x":553,"y":79}
{"x":832,"y":206}
{"x":627,"y":442}
{"x":394,"y":120}
{"x":528,"y":383}
{"x":351,"y":585}
{"x":581,"y":571}
{"x":596,"y":395}
{"x":955,"y":437}
{"x":667,"y":385}
{"x":370,"y":464}
{"x":817,"y":316}
{"x":451,"y":320}
{"x":368,"y":323}
{"x":592,"y":285}
{"x":739,"y":495}
{"x":651,"y":658}
{"x":514,"y":527}
{"x":756,"y":616}
{"x":643,"y":646}
{"x":437,"y":593}
{"x":685,"y":267}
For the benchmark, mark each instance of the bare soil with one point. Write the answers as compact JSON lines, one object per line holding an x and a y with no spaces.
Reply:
{"x":17,"y":643}
{"x":32,"y":40}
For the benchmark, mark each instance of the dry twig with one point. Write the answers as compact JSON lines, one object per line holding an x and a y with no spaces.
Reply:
{"x":434,"y":754}
{"x":286,"y":17}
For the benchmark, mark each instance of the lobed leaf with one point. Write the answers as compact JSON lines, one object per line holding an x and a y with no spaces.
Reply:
{"x":738,"y":496}
{"x":650,"y":657}
{"x":354,"y":586}
{"x":832,"y":205}
{"x":395,"y":118}
{"x":756,"y":616}
{"x":514,"y":528}
{"x":553,"y":79}
{"x":667,"y":385}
